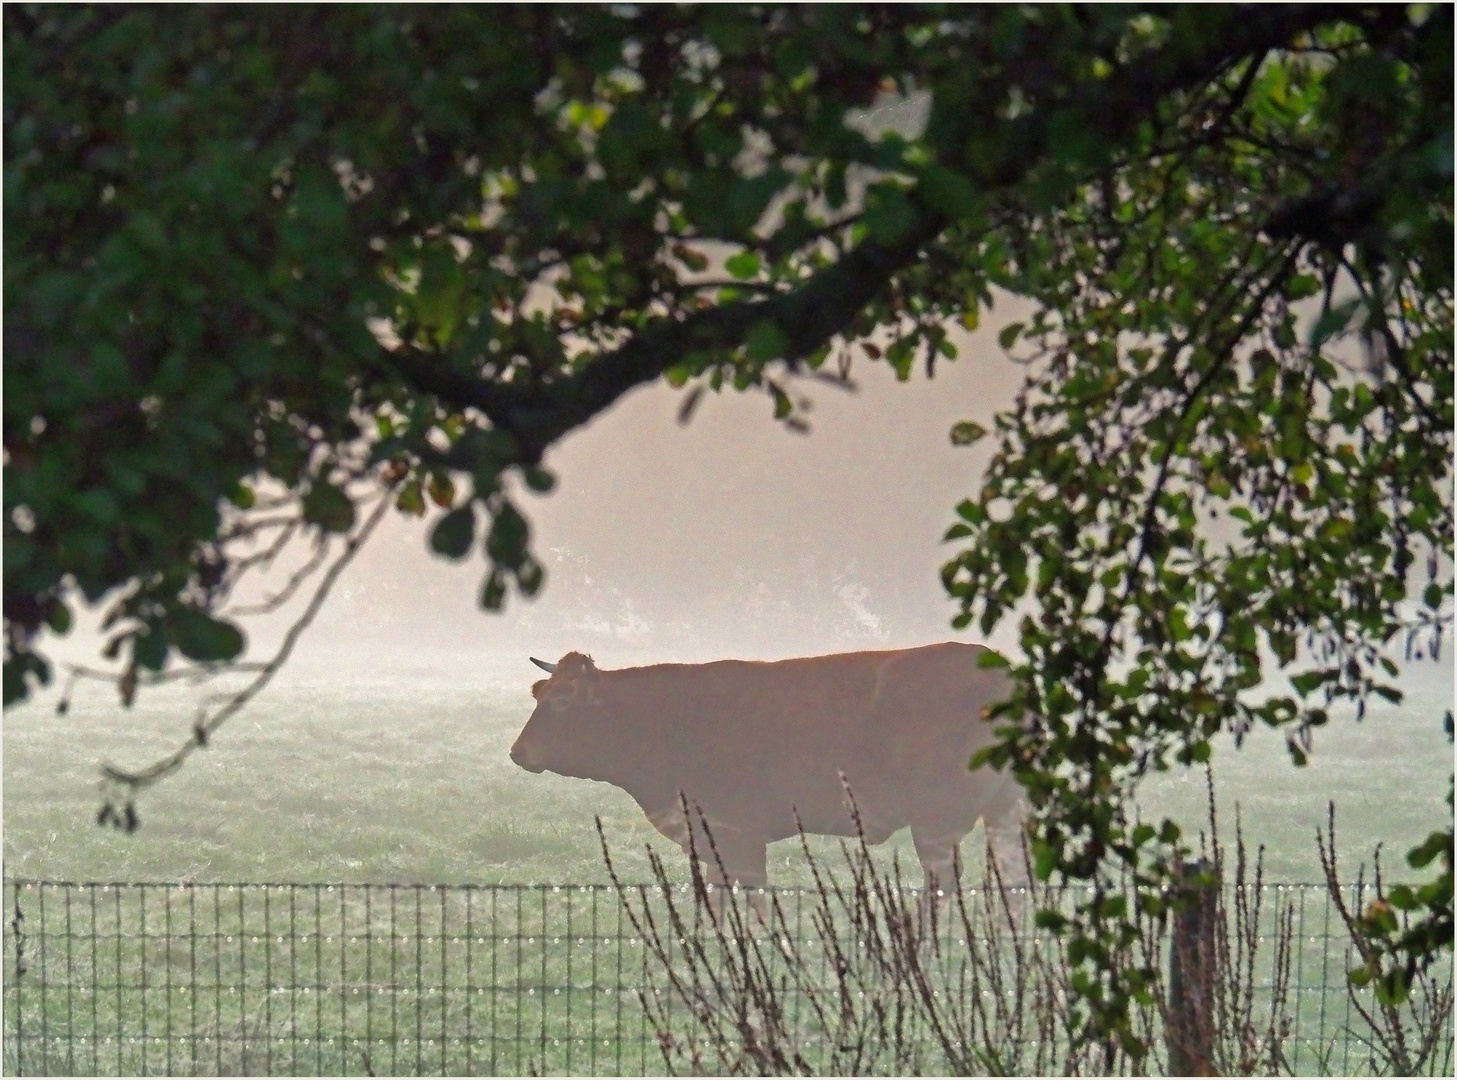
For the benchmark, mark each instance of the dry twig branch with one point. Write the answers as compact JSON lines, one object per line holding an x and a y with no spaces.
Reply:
{"x":203,"y":728}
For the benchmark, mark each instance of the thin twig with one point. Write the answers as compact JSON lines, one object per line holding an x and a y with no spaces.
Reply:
{"x":205,"y":727}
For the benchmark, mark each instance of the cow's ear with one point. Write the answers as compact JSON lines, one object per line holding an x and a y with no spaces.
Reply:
{"x":537,"y":688}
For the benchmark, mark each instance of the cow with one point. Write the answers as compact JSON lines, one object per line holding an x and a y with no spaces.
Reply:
{"x":758,"y":746}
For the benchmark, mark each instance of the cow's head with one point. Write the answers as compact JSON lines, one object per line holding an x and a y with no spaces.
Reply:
{"x":559,"y":731}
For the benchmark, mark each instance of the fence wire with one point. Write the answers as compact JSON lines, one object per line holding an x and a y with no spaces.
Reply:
{"x":264,"y":979}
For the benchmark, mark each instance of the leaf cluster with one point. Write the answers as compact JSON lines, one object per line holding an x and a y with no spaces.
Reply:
{"x":1231,"y":453}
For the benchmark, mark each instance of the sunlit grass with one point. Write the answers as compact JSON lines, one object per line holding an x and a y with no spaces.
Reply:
{"x":400,"y":774}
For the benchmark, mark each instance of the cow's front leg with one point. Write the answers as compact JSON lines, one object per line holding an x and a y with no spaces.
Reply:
{"x":736,"y":858}
{"x":937,"y":850}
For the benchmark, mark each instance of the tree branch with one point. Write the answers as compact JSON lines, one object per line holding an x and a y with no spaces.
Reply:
{"x":537,"y":415}
{"x":205,"y":726}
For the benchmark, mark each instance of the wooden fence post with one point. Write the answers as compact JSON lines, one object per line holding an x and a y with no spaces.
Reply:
{"x":1192,"y":974}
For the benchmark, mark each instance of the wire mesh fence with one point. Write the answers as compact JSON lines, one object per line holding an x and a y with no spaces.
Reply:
{"x":262,"y":979}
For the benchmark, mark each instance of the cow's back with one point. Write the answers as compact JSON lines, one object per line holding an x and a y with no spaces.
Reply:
{"x":749,"y":740}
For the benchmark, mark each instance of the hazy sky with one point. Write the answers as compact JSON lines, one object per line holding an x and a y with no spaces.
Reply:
{"x":732,"y":536}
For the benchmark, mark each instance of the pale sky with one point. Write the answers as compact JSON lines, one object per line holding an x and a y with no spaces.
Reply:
{"x":732,"y":536}
{"x":729,"y":537}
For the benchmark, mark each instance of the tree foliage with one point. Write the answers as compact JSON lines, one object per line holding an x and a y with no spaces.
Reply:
{"x":268,"y":268}
{"x":1197,"y":485}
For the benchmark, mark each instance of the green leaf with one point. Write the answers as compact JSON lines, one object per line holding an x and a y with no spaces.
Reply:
{"x":694,"y":260}
{"x":1008,"y":334}
{"x":783,"y":407}
{"x":538,"y":479}
{"x":900,"y":355}
{"x":765,"y":342}
{"x":744,"y":265}
{"x":1307,"y":681}
{"x":493,"y":592}
{"x":1434,"y":845}
{"x":967,"y":433}
{"x":1402,"y":898}
{"x":1332,"y":322}
{"x":327,"y":506}
{"x":59,"y":617}
{"x":971,"y":511}
{"x":1392,"y":989}
{"x":506,"y":542}
{"x":201,"y":637}
{"x":948,"y":192}
{"x":18,"y":670}
{"x":982,"y":757}
{"x":441,"y":489}
{"x":453,"y":533}
{"x":411,"y":499}
{"x":1044,"y":863}
{"x":1052,"y":921}
{"x":990,"y":658}
{"x":149,"y":648}
{"x":530,"y":576}
{"x":889,"y":215}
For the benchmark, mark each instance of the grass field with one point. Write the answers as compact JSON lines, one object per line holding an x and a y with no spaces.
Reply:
{"x":381,"y":770}
{"x":332,"y":980}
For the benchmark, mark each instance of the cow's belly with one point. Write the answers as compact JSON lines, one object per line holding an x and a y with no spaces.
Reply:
{"x":773,"y":805}
{"x":819,"y":804}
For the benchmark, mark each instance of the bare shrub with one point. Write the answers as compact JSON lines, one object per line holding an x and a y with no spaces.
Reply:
{"x":886,"y":979}
{"x":864,"y":974}
{"x":1246,"y":1024}
{"x":1409,"y":1037}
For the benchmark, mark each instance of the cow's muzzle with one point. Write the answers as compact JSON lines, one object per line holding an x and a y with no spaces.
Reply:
{"x":523,"y":757}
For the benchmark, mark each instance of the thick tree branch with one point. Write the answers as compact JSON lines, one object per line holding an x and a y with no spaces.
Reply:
{"x":536,"y":416}
{"x":539,"y":414}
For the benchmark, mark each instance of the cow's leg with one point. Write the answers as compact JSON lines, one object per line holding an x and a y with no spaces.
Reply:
{"x":1004,"y":839}
{"x":734,"y":857}
{"x":936,"y":848}
{"x":747,"y":863}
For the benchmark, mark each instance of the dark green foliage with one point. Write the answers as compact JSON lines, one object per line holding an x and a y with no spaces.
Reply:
{"x":1174,"y":397}
{"x":346,"y":253}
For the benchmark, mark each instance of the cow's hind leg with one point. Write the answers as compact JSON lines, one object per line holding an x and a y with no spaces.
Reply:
{"x":1005,"y":834}
{"x":937,"y":850}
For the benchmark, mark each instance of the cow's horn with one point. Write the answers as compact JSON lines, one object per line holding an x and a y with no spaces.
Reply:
{"x":548,"y":668}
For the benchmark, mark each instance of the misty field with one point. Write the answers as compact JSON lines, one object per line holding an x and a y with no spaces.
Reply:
{"x":395,"y":775}
{"x":390,"y":771}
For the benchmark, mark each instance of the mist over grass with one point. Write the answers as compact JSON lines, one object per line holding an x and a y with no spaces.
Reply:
{"x":391,"y":766}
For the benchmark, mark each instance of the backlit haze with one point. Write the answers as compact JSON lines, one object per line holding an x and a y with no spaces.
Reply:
{"x":730,"y":536}
{"x":380,"y":751}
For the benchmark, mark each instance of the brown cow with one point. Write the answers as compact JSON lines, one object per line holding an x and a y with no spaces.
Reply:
{"x":752,"y":743}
